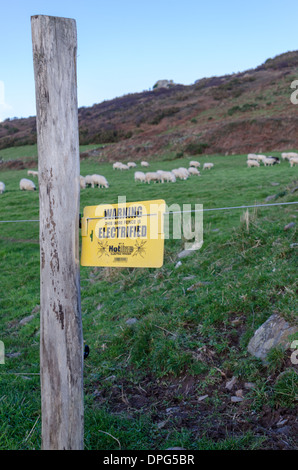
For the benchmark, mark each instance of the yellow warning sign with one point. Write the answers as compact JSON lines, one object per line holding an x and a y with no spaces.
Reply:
{"x":127,"y":234}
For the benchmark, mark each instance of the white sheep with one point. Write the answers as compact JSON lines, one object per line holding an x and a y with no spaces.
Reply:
{"x":261,"y":158}
{"x":139,"y":176}
{"x":167,"y":176}
{"x":100,"y":181}
{"x":269,"y":161}
{"x":2,"y":187}
{"x":193,"y":171}
{"x":131,"y":164}
{"x":195,"y":164}
{"x":207,"y":166}
{"x":252,"y":156}
{"x":144,"y":163}
{"x":293,"y":161}
{"x":27,"y":185}
{"x":179,"y":173}
{"x":161,"y":175}
{"x":88,"y":181}
{"x":251,"y":163}
{"x":184,"y":170}
{"x":32,"y":172}
{"x":288,"y":155}
{"x":152,"y":176}
{"x":276,"y":159}
{"x":116,"y":165}
{"x":123,"y":166}
{"x":82,"y":182}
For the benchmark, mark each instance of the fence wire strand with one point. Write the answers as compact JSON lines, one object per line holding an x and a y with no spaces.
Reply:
{"x":185,"y":212}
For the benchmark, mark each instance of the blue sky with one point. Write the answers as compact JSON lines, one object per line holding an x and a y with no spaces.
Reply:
{"x":125,"y":46}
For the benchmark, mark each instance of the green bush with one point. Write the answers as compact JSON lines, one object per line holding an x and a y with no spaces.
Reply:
{"x":196,"y":148}
{"x":243,"y":109}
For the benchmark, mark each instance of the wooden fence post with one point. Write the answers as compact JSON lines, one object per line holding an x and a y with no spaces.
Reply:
{"x":54,"y":44}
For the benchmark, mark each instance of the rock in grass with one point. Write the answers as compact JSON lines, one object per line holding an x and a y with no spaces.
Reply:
{"x":273,"y":333}
{"x":185,"y":253}
{"x":270,"y":198}
{"x":236,"y":399}
{"x":230,"y":384}
{"x":290,"y":225}
{"x":26,"y":320}
{"x":131,"y":321}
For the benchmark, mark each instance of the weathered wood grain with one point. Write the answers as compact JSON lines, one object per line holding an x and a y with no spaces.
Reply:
{"x":54,"y":44}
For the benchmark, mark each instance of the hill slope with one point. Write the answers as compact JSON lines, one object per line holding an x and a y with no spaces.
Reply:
{"x":238,"y":113}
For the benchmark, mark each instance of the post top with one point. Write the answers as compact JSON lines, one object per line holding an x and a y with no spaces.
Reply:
{"x":51,"y":18}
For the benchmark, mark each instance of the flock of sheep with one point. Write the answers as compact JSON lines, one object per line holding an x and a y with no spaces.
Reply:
{"x":256,"y":160}
{"x":160,"y":176}
{"x":139,"y":176}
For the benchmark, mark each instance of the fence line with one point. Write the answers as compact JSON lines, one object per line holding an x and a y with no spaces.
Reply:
{"x":190,"y":211}
{"x":232,"y":208}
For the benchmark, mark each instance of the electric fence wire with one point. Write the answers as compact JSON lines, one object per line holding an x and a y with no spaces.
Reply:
{"x":190,"y":211}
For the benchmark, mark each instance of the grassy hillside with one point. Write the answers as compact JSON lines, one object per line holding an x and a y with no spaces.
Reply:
{"x":242,"y":112}
{"x":160,"y":380}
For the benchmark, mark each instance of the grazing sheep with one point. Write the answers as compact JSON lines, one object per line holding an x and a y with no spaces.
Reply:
{"x":144,"y":164}
{"x":122,"y":166}
{"x":269,"y":161}
{"x":184,"y":170}
{"x":88,"y":181}
{"x":152,"y":176}
{"x":251,"y":163}
{"x":82,"y":182}
{"x":27,"y":185}
{"x":261,"y":158}
{"x":195,"y":164}
{"x":2,"y":187}
{"x":100,"y":181}
{"x":252,"y":156}
{"x":207,"y":166}
{"x":193,"y":171}
{"x":288,"y":155}
{"x":293,"y":161}
{"x":131,"y":164}
{"x":179,"y":173}
{"x":32,"y":172}
{"x":139,"y":176}
{"x":116,"y":165}
{"x":274,"y":158}
{"x":167,"y":176}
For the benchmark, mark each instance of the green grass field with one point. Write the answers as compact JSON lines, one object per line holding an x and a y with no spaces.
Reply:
{"x":144,"y":382}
